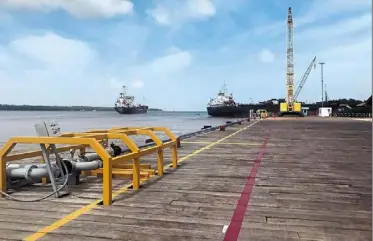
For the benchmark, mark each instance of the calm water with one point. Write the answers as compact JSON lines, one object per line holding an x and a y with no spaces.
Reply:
{"x":21,"y":123}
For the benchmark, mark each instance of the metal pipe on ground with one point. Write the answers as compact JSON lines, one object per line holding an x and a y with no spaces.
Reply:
{"x":31,"y":173}
{"x":34,"y":173}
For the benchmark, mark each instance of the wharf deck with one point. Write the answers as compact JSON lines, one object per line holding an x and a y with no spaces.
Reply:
{"x":290,"y":179}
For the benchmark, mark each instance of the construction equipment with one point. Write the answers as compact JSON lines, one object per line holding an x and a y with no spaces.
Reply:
{"x":290,"y":106}
{"x":262,"y":113}
{"x":302,"y":81}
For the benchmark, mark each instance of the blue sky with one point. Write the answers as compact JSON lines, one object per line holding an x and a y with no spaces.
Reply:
{"x":176,"y":54}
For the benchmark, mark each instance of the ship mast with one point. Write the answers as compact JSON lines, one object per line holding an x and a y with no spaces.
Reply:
{"x":224,"y":88}
{"x":290,"y":62}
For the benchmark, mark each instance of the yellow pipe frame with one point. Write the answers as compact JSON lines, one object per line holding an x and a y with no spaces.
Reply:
{"x":97,"y":140}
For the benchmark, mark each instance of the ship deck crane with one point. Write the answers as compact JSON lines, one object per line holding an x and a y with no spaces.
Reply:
{"x":290,"y":106}
{"x":304,"y":78}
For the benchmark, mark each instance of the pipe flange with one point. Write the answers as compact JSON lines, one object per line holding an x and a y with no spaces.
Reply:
{"x":28,"y":169}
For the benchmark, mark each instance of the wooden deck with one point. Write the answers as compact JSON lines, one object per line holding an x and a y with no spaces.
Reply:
{"x":303,"y":179}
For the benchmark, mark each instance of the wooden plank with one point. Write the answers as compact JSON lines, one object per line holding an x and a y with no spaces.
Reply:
{"x":306,"y":189}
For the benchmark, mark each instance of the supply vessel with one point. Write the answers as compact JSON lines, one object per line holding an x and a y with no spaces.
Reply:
{"x":224,"y":106}
{"x":125,"y":104}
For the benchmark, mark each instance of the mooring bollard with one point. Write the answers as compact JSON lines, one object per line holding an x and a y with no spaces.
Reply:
{"x":222,"y":128}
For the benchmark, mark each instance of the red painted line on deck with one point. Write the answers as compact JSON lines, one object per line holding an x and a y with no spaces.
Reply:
{"x":239,"y":213}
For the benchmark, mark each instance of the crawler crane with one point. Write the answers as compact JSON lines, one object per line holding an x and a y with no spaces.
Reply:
{"x":290,"y":106}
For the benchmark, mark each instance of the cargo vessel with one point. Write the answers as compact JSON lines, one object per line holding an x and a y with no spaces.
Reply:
{"x":225,"y":106}
{"x":125,"y":104}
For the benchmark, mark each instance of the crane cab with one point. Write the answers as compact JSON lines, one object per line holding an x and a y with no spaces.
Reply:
{"x":295,"y":109}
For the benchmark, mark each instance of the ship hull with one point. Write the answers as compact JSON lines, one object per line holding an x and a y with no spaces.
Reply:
{"x":131,"y":110}
{"x":228,"y":111}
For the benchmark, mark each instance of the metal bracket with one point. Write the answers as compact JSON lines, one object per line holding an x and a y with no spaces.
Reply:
{"x":51,"y":129}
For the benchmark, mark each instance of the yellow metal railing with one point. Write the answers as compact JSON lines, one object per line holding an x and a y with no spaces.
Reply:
{"x":97,"y":140}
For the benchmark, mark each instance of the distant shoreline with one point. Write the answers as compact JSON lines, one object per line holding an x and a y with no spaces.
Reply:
{"x":58,"y":108}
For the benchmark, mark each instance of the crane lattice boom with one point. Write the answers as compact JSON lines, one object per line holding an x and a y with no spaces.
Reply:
{"x":290,"y":61}
{"x":304,"y":78}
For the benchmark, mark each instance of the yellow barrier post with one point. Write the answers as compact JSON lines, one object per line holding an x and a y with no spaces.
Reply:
{"x":173,"y":145}
{"x":160,"y":162}
{"x":2,"y":176}
{"x":107,"y":182}
{"x":136,"y":173}
{"x":3,"y":153}
{"x":107,"y":172}
{"x":174,"y":156}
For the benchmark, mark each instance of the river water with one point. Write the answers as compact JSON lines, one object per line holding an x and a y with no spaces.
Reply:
{"x":21,"y":123}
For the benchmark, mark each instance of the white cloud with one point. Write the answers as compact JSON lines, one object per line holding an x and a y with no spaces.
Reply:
{"x":200,"y":8}
{"x":77,"y":8}
{"x":53,"y":51}
{"x":160,"y":14}
{"x":171,"y":62}
{"x":49,"y":67}
{"x":116,"y":85}
{"x":64,"y":71}
{"x":113,"y":83}
{"x":266,"y":56}
{"x":171,"y":12}
{"x":338,"y":29}
{"x":317,"y":12}
{"x":137,"y":84}
{"x":322,"y":9}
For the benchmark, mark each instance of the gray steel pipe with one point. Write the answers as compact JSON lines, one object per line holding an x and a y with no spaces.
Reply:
{"x":31,"y":172}
{"x":87,"y":166}
{"x":37,"y":172}
{"x":15,"y":165}
{"x":88,"y":157}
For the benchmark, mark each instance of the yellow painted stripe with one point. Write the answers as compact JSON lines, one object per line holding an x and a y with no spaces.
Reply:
{"x":197,"y":142}
{"x":74,"y":215}
{"x":223,"y":143}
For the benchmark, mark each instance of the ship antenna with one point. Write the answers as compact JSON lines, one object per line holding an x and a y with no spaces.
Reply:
{"x":124,"y":89}
{"x":224,"y":89}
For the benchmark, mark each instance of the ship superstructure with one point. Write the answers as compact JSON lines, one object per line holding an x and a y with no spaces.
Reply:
{"x":224,"y":105}
{"x":222,"y":99}
{"x":125,"y":104}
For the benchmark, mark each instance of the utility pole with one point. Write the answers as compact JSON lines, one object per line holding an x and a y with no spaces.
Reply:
{"x":322,"y":84}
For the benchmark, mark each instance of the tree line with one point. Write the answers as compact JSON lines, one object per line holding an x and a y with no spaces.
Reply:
{"x":57,"y":108}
